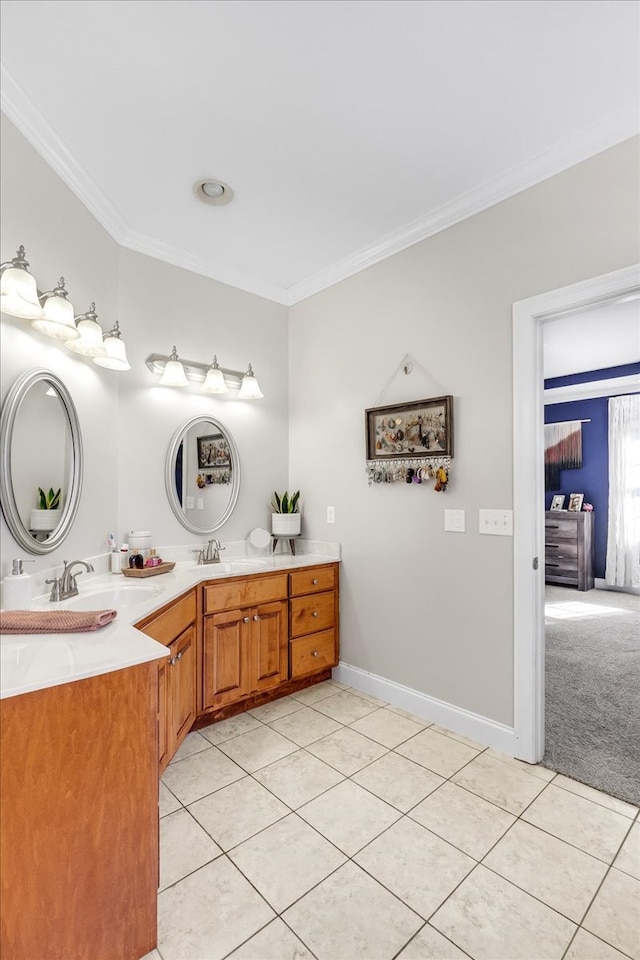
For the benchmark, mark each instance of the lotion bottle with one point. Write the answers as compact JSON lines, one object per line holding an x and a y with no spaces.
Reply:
{"x":16,"y":588}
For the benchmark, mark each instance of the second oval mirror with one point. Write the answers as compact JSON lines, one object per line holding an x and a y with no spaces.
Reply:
{"x":202,"y":474}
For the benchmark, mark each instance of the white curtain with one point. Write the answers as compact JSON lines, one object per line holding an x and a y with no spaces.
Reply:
{"x":623,"y":541}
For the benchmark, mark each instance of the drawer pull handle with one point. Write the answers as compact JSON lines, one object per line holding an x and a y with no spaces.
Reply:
{"x":180,"y":655}
{"x":315,"y":613}
{"x":256,"y":617}
{"x":314,"y":581}
{"x":246,"y":619}
{"x":172,"y":662}
{"x":553,"y":546}
{"x":315,"y":653}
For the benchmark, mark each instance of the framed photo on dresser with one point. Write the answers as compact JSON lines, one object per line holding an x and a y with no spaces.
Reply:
{"x":575,"y":502}
{"x":557,"y":503}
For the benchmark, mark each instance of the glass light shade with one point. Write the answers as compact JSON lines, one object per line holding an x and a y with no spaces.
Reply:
{"x":58,"y":319}
{"x":214,"y":381}
{"x":89,"y":343}
{"x":250,"y":388}
{"x":174,"y":375}
{"x":19,"y":294}
{"x":116,"y":355}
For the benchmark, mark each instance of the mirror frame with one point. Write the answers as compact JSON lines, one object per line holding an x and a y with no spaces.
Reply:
{"x":10,"y":409}
{"x":169,"y":475}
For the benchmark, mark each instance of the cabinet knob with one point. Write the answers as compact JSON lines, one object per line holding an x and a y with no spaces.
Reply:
{"x":172,"y":662}
{"x":315,"y":613}
{"x":314,"y":581}
{"x":180,"y":655}
{"x":256,"y":617}
{"x":246,"y":619}
{"x":315,"y":653}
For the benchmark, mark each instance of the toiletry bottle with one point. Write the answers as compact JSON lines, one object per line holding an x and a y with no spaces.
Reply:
{"x":16,"y":588}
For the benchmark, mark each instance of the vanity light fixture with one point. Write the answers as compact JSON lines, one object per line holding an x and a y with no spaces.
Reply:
{"x":116,"y":354}
{"x":18,"y":289}
{"x":214,"y":381}
{"x":173,"y":374}
{"x":57,"y":319}
{"x":89,"y":343}
{"x":250,"y":388}
{"x":177,"y":372}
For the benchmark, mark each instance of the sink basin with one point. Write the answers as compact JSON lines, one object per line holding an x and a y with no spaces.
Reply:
{"x":232,"y":566}
{"x":117,"y":597}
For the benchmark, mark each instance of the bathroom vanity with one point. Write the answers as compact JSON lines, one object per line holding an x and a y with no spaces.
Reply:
{"x":89,"y":719}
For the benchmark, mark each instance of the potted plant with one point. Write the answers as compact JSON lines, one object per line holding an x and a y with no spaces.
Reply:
{"x":285,"y":516}
{"x":46,"y":516}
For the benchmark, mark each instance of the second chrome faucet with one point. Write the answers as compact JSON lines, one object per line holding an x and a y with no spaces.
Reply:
{"x":209,"y":553}
{"x":66,"y":586}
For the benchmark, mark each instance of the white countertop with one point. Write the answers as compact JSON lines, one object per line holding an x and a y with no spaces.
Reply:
{"x":35,"y":661}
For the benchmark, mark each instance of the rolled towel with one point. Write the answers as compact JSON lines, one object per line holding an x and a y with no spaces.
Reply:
{"x":54,"y":621}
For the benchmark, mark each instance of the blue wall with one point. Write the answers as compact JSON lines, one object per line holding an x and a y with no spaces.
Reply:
{"x":592,"y":478}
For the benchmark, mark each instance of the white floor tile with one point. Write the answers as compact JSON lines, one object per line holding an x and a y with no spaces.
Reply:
{"x":167,"y":803}
{"x":587,"y":947}
{"x":533,"y":768}
{"x":257,"y":748}
{"x":464,"y":819}
{"x":348,"y":816}
{"x":585,"y":824}
{"x":436,"y":752}
{"x":347,"y":750}
{"x":200,"y":774}
{"x":489,"y":918}
{"x":615,"y":913}
{"x":386,"y":727}
{"x":398,"y":781}
{"x":228,"y":729}
{"x":192,"y":743}
{"x":351,"y":917}
{"x":184,"y":847}
{"x":305,"y":726}
{"x":273,"y":942}
{"x":628,"y":860}
{"x":429,"y":944}
{"x":560,"y":875}
{"x":298,"y":778}
{"x":582,"y":790}
{"x":415,"y":865}
{"x":500,"y":783}
{"x":276,"y":709}
{"x":319,"y":691}
{"x":237,"y":812}
{"x":286,"y":860}
{"x":209,"y":913}
{"x":345,"y":707}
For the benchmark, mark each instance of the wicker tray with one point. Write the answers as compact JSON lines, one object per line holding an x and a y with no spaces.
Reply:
{"x":148,"y":571}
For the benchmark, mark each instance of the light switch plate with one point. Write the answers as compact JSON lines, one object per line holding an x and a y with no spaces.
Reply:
{"x":190,"y":503}
{"x":331,"y":514}
{"x":497,"y":523}
{"x":200,"y":503}
{"x":454,"y":521}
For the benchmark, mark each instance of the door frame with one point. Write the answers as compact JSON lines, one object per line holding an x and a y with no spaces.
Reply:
{"x":528,"y":490}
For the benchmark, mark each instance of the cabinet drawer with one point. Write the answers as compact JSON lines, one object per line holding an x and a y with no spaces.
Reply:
{"x":313,"y":580}
{"x":312,"y":613}
{"x":313,"y":653}
{"x":170,"y":624}
{"x":565,"y":549}
{"x":228,"y":594}
{"x":561,"y":568}
{"x":561,"y":529}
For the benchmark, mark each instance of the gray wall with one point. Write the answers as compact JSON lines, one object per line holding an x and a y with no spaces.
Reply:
{"x":425,"y":608}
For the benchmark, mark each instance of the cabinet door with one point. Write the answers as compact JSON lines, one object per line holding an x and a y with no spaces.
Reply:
{"x":226,"y":647}
{"x":269,"y":653}
{"x":182,"y":687}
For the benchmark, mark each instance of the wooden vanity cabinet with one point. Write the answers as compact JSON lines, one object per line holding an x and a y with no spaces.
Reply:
{"x":244,"y":638}
{"x":175,"y":627}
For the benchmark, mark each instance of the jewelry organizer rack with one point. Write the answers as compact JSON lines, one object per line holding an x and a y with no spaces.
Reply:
{"x":409,"y":470}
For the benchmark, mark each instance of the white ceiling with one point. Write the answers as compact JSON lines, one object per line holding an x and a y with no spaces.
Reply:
{"x":595,"y":338}
{"x":348,"y":129}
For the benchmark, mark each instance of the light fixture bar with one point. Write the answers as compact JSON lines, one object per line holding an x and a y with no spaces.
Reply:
{"x":196,"y":372}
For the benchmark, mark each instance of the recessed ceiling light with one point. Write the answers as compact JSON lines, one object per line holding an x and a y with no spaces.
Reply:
{"x":213,"y":191}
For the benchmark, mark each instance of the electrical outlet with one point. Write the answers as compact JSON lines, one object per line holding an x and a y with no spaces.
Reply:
{"x":331,"y":514}
{"x":454,"y":521}
{"x":497,"y":523}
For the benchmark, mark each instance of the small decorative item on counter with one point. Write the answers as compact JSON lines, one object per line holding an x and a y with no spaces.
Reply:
{"x":153,"y":560}
{"x":140,"y":539}
{"x":136,"y":560}
{"x":285,"y":515}
{"x":115,"y":558}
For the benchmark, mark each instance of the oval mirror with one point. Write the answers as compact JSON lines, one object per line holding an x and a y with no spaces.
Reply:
{"x":202,"y":474}
{"x":41,"y":450}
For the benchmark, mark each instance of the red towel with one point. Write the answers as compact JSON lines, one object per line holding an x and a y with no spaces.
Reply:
{"x":54,"y":621}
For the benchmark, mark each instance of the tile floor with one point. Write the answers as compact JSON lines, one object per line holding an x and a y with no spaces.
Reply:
{"x":330,"y":825}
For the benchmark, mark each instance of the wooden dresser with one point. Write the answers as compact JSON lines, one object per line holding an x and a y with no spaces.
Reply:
{"x":569,"y":548}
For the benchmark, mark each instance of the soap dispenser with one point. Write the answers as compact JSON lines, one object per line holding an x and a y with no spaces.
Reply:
{"x":16,"y":588}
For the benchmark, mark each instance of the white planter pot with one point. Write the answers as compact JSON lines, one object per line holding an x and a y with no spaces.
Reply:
{"x":44,"y":520}
{"x":285,"y":524}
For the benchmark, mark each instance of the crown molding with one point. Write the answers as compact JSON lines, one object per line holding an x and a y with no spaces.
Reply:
{"x":31,"y":122}
{"x":591,"y":141}
{"x":33,"y":125}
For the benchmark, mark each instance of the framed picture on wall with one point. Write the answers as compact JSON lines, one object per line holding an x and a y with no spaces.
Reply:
{"x":575,"y":502}
{"x":213,"y":451}
{"x":423,"y":428}
{"x":557,"y":503}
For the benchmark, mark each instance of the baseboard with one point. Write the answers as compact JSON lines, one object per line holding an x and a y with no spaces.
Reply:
{"x":603,"y":585}
{"x":479,"y":728}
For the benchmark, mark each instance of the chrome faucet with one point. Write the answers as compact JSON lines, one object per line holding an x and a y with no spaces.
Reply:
{"x":210,"y":553}
{"x":65,"y":586}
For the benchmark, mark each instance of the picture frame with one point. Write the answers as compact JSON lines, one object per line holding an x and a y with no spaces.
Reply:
{"x":213,"y":452}
{"x":557,"y":503}
{"x":575,"y":502}
{"x":420,"y":429}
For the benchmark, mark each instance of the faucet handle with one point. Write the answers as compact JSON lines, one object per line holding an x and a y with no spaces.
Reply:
{"x":55,"y":589}
{"x":200,"y":552}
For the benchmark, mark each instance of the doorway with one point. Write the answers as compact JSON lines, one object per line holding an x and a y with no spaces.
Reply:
{"x":528,"y":419}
